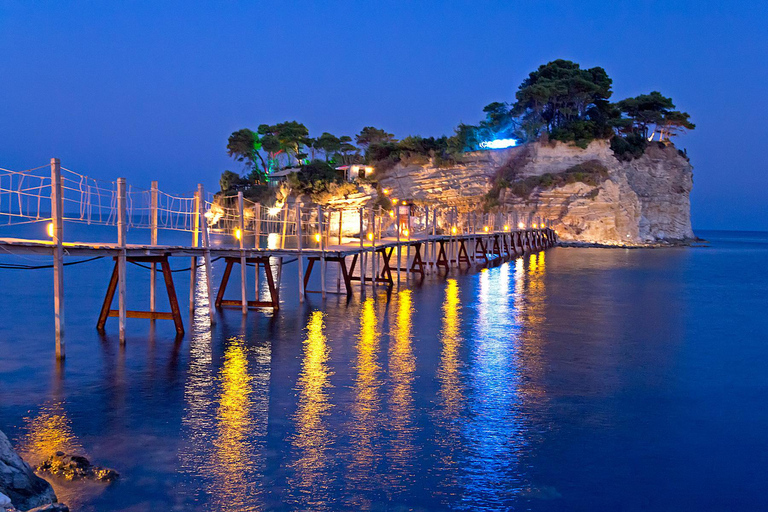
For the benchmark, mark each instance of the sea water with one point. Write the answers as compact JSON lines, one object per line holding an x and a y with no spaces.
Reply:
{"x":571,"y":379}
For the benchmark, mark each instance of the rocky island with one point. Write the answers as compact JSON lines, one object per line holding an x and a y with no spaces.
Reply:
{"x":587,"y":194}
{"x":596,"y":171}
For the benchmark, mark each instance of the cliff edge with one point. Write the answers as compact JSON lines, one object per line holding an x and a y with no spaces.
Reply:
{"x":588,"y":194}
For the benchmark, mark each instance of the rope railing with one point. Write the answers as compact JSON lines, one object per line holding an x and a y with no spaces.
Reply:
{"x":25,"y":197}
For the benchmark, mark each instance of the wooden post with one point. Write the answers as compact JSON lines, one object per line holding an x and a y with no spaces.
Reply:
{"x":256,"y":242}
{"x":452,"y":242}
{"x":425,"y":256}
{"x":153,"y":242}
{"x":299,"y":258}
{"x":207,"y":253}
{"x":243,"y":268}
{"x":193,"y":264}
{"x":374,"y":256}
{"x":322,"y":248}
{"x":408,"y":247}
{"x":338,"y":275}
{"x":397,"y":218}
{"x":282,"y":246}
{"x":121,"y":242}
{"x":434,"y":243}
{"x":57,"y":220}
{"x":362,"y":252}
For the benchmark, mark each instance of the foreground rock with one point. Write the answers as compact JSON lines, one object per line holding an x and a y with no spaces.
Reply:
{"x":18,"y":483}
{"x":75,"y":467}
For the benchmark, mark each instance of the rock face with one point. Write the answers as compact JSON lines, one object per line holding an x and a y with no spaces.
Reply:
{"x":643,"y":201}
{"x":19,"y":483}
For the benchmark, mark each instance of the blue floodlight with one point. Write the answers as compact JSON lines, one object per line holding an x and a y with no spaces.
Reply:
{"x":498,"y":144}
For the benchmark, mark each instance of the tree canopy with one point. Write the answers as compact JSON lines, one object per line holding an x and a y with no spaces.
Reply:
{"x":571,"y":104}
{"x":560,"y":99}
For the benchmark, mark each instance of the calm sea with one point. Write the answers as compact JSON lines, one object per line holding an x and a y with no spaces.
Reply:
{"x":576,"y":379}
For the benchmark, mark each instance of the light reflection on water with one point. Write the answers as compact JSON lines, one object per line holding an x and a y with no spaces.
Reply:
{"x":225,"y":418}
{"x":422,"y":398}
{"x":401,"y":426}
{"x":309,"y":487}
{"x":365,"y":414}
{"x":450,"y":395}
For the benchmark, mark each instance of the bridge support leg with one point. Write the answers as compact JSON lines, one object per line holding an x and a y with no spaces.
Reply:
{"x":261,"y":262}
{"x":114,"y":283}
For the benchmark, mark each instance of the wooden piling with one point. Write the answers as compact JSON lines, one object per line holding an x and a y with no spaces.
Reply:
{"x":322,"y":249}
{"x":207,"y":254}
{"x":299,"y":258}
{"x":338,"y":275}
{"x":256,"y":243}
{"x":374,"y":255}
{"x":58,"y":257}
{"x":407,"y":247}
{"x":397,"y":221}
{"x":243,"y":267}
{"x":362,"y":252}
{"x":193,"y":263}
{"x":121,"y":242}
{"x":153,"y":241}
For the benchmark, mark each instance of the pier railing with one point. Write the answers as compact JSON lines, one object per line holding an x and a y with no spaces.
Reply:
{"x":244,"y":232}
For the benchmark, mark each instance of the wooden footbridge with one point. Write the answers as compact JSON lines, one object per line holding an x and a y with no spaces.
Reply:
{"x":409,"y":240}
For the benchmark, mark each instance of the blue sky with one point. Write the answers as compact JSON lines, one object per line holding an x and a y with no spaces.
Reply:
{"x":151,"y":90}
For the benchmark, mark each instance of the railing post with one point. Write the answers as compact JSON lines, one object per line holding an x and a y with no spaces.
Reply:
{"x":322,"y":248}
{"x":407,"y":247}
{"x":399,"y":254}
{"x":300,"y":258}
{"x":121,"y":242}
{"x":256,"y":243}
{"x":57,"y":219}
{"x":195,"y":243}
{"x":243,"y":268}
{"x":206,"y":253}
{"x":153,"y":242}
{"x":362,"y":252}
{"x":374,"y":255}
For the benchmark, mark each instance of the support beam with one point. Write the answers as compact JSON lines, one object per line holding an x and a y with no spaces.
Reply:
{"x":299,"y":258}
{"x":57,"y":220}
{"x":193,"y":263}
{"x":121,"y":242}
{"x":206,"y":254}
{"x":153,"y":241}
{"x":243,"y":268}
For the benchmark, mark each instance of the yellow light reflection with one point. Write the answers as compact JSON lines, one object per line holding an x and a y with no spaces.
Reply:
{"x":233,"y":485}
{"x":364,"y":427}
{"x":48,"y":432}
{"x":450,"y":393}
{"x":313,"y":437}
{"x":402,"y":365}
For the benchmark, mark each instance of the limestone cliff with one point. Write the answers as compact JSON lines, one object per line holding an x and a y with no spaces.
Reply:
{"x":641,"y":201}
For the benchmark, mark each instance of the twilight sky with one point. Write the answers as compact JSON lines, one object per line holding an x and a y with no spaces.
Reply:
{"x":151,"y":90}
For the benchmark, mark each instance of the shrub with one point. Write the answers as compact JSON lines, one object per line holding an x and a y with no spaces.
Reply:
{"x":591,"y":173}
{"x":629,"y":147}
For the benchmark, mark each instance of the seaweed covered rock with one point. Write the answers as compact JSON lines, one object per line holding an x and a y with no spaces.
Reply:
{"x":75,"y":467}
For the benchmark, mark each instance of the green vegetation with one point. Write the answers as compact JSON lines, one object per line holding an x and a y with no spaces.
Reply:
{"x":570,"y":104}
{"x":591,"y":173}
{"x":321,"y":181}
{"x":558,"y":101}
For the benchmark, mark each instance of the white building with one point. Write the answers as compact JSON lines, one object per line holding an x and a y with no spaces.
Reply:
{"x":354,"y":171}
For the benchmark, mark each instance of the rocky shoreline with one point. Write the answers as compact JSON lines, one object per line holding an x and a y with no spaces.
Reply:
{"x":662,"y":244}
{"x":21,"y":489}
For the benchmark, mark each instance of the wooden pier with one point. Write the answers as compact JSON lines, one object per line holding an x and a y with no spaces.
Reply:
{"x":413,"y":241}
